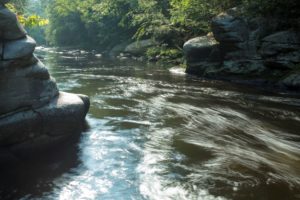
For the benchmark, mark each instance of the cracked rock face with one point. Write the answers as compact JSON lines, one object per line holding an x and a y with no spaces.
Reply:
{"x":34,"y":115}
{"x":248,"y":48}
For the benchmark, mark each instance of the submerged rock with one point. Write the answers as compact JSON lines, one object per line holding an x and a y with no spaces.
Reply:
{"x":34,"y":115}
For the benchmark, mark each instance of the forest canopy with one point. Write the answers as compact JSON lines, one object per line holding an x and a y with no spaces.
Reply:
{"x":102,"y":24}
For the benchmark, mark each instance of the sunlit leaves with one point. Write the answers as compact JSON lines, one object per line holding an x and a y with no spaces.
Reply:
{"x":30,"y":21}
{"x":33,"y":20}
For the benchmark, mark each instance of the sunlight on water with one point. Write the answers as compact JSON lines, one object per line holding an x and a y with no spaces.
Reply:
{"x":158,"y":134}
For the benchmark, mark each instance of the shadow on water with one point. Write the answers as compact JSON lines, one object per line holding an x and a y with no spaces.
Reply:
{"x":34,"y":176}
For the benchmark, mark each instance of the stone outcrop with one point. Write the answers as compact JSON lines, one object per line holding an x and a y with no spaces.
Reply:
{"x":202,"y":55}
{"x":246,"y":48}
{"x":132,"y":50}
{"x":139,"y":47}
{"x":34,"y":115}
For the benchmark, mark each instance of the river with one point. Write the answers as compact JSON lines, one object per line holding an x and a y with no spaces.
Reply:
{"x":156,"y":133}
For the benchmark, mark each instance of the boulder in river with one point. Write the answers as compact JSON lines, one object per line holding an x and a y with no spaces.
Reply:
{"x":34,"y":115}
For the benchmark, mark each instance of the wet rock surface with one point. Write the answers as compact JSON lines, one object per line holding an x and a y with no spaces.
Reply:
{"x":34,"y":115}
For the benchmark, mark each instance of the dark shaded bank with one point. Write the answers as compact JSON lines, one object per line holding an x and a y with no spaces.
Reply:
{"x":259,"y":51}
{"x":35,"y":175}
{"x":34,"y":114}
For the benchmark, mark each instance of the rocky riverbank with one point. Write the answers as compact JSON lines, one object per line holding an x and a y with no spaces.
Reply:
{"x":34,"y":114}
{"x":256,"y":50}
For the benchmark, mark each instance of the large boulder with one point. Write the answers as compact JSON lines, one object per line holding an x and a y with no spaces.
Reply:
{"x":34,"y":115}
{"x":232,"y":51}
{"x":202,"y":55}
{"x":21,"y":132}
{"x":249,"y":48}
{"x":199,"y":48}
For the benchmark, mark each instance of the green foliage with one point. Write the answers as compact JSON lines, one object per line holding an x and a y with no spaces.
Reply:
{"x":103,"y":24}
{"x":109,"y":22}
{"x":163,"y":53}
{"x":18,"y":7}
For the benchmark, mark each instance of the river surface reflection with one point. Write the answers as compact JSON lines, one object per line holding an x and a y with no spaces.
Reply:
{"x":159,"y":134}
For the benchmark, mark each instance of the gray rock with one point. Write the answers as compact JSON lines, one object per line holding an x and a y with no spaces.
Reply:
{"x":204,"y":68}
{"x":281,"y":50}
{"x":243,"y":67}
{"x":270,"y":49}
{"x":17,"y":63}
{"x":283,"y":37}
{"x":33,"y":129}
{"x":227,"y":28}
{"x":140,"y":47}
{"x":86,"y":101}
{"x":34,"y":116}
{"x":26,"y":87}
{"x":18,"y":48}
{"x":64,"y":113}
{"x":9,"y":25}
{"x":234,"y":34}
{"x":199,"y":48}
{"x":248,"y":48}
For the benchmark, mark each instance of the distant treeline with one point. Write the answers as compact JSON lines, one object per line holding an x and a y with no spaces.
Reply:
{"x":102,"y":24}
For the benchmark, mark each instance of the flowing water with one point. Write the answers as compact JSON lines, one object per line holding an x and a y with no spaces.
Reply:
{"x":159,"y":134}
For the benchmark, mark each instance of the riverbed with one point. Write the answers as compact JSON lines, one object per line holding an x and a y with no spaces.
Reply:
{"x":157,"y":133}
